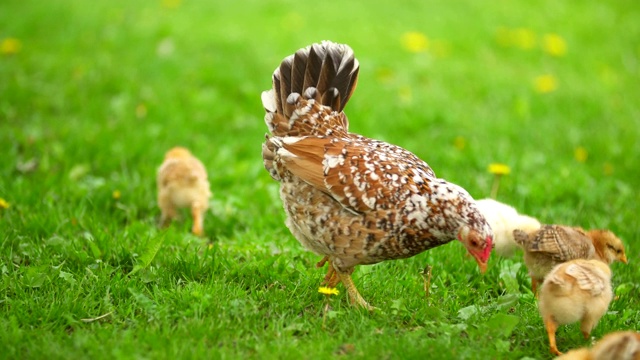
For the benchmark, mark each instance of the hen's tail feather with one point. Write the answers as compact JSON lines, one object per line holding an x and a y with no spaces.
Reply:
{"x":325,"y":73}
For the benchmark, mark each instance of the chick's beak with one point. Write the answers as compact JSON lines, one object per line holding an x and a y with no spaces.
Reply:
{"x":624,"y":259}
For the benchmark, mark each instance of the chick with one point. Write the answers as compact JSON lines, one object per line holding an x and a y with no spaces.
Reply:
{"x":503,"y":220}
{"x":553,"y":244}
{"x":182,"y":183}
{"x":577,"y":290}
{"x":609,"y":247}
{"x":550,"y":246}
{"x":620,"y":345}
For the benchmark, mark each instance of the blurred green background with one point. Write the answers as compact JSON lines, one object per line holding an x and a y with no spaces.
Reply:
{"x":93,"y":93}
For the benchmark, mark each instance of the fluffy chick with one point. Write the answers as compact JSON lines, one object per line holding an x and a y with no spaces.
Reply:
{"x":577,"y":290}
{"x":554,"y":244}
{"x":550,"y":246}
{"x":182,"y":183}
{"x":503,"y":220}
{"x":620,"y":345}
{"x":609,"y":247}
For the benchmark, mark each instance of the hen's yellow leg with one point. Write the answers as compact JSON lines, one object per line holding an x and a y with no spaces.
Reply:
{"x":331,"y":279}
{"x":352,"y":291}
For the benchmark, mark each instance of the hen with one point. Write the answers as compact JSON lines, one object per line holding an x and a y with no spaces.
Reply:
{"x":503,"y":220}
{"x":577,"y":290}
{"x":352,"y":199}
{"x":555,"y":244}
{"x":182,"y":182}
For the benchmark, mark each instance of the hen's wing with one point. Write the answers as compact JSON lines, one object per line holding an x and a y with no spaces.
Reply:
{"x":360,"y":173}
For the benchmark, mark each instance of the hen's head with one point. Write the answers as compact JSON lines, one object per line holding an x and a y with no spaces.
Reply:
{"x":479,"y":242}
{"x":471,"y":227}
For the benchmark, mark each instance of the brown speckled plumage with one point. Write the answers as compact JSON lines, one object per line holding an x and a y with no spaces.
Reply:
{"x":349,"y":198}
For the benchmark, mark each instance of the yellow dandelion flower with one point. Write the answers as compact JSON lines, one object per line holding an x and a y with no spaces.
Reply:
{"x":499,"y":169}
{"x":544,"y":84}
{"x":10,"y":46}
{"x":171,"y":4}
{"x":524,"y":38}
{"x":415,"y":42}
{"x":554,"y":45}
{"x":581,"y":154}
{"x":459,"y":143}
{"x":328,"y":290}
{"x":4,"y":204}
{"x":116,"y":194}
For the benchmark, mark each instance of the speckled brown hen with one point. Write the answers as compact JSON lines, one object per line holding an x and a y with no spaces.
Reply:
{"x":352,"y":199}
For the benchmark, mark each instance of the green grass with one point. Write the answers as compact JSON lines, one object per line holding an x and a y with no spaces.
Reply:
{"x":100,"y":90}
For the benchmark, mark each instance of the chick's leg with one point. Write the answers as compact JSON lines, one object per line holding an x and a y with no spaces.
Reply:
{"x":354,"y":296}
{"x":197,"y":212}
{"x":167,"y":207}
{"x":588,"y":323}
{"x":551,"y":327}
{"x":534,"y":286}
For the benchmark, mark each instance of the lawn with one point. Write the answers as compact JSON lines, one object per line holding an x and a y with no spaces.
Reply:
{"x":92,"y":94}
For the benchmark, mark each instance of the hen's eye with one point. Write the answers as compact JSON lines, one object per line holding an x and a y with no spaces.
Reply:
{"x":474,"y":242}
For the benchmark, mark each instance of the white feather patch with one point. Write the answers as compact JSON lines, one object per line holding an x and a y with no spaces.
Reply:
{"x":269,"y":100}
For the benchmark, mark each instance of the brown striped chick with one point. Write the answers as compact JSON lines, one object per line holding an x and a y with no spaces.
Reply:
{"x":620,"y":345}
{"x":577,"y":290}
{"x":550,"y":246}
{"x":182,"y":183}
{"x":503,"y":220}
{"x":609,"y":247}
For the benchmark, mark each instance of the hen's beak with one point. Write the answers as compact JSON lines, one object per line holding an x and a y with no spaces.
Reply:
{"x":482,"y":265}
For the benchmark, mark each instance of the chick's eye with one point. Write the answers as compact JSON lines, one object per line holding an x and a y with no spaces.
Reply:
{"x":618,"y":251}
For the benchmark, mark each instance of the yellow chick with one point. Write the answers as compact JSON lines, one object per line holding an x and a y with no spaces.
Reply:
{"x":609,"y":247}
{"x":182,"y":183}
{"x":577,"y":290}
{"x":554,"y":244}
{"x":620,"y":345}
{"x":550,"y":246}
{"x":503,"y":220}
